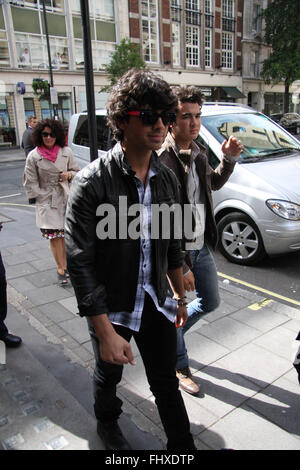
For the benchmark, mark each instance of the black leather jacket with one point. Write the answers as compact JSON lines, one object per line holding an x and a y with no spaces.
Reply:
{"x":104,"y":273}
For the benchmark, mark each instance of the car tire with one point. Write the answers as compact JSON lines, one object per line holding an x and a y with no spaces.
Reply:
{"x":240,"y":240}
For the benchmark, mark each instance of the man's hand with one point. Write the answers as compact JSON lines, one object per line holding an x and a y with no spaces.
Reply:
{"x":189,"y":281}
{"x":113,"y":348}
{"x":181,"y":316}
{"x":232,"y":147}
{"x":116,"y":350}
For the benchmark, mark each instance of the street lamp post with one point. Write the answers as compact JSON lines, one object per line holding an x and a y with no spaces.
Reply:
{"x":89,"y":79}
{"x":49,"y":57}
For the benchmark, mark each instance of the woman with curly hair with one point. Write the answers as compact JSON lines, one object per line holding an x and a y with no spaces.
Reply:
{"x":49,"y":170}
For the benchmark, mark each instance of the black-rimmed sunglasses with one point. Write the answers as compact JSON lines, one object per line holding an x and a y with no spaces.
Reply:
{"x":149,"y":118}
{"x":46,"y":134}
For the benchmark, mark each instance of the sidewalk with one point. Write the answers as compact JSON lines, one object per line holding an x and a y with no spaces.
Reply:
{"x":12,"y":155}
{"x":241,"y":355}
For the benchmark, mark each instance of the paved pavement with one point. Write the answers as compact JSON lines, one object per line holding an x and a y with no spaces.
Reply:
{"x":241,"y":355}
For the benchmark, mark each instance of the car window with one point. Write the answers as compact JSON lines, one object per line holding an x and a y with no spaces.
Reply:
{"x":81,"y":136}
{"x":259,"y":135}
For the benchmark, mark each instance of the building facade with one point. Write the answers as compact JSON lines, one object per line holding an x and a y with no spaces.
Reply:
{"x":214,"y":44}
{"x":24,"y":57}
{"x":266,"y":98}
{"x":196,"y":42}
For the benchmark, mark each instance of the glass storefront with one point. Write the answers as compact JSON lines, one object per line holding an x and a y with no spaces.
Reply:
{"x":64,"y":108}
{"x":7,"y":122}
{"x":29,"y":108}
{"x":274,"y":103}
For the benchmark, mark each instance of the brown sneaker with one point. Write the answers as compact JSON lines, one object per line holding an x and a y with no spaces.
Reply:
{"x":187,"y":382}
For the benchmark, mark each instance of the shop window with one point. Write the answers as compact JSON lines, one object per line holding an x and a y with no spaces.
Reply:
{"x":29,"y":108}
{"x":64,"y":109}
{"x":7,"y":123}
{"x":46,"y":109}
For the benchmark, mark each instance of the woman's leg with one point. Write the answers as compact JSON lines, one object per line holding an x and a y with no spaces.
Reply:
{"x":57,"y":246}
{"x":64,"y":253}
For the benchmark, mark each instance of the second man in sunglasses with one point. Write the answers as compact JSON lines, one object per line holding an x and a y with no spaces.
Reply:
{"x":121,"y":283}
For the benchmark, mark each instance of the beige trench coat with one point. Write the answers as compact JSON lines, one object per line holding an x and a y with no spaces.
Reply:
{"x":42,"y":182}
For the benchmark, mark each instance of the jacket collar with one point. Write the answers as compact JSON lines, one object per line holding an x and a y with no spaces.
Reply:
{"x":123,"y":164}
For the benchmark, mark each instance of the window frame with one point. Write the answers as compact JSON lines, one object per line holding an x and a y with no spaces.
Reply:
{"x":153,"y":39}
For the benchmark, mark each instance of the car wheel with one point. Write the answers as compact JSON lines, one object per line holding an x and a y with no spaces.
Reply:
{"x":239,"y":239}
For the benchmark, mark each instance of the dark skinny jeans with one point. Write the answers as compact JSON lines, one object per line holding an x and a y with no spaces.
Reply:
{"x":156,"y":341}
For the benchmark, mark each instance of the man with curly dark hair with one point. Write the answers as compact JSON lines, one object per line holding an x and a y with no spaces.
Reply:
{"x":187,"y":158}
{"x":121,"y":281}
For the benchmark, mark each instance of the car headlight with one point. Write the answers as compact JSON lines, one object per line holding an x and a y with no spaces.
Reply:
{"x":287,"y":210}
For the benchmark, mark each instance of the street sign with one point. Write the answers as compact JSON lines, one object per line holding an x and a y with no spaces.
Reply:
{"x":53,"y":95}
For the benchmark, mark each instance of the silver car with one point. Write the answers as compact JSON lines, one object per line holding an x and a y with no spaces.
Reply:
{"x":258,"y":209}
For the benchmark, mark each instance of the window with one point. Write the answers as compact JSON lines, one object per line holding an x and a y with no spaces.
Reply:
{"x":192,"y":32}
{"x":4,"y":53}
{"x":176,"y":31}
{"x":208,"y":47}
{"x":228,"y":21}
{"x":192,"y":46}
{"x":150,"y":38}
{"x":192,"y":12}
{"x":227,"y":50}
{"x":209,"y":16}
{"x":51,"y":5}
{"x":64,"y":109}
{"x":257,"y":20}
{"x":103,"y":9}
{"x":176,"y":10}
{"x":103,"y":32}
{"x":29,"y":107}
{"x":31,"y":36}
{"x":7,"y":121}
{"x":32,"y":51}
{"x":81,"y":136}
{"x":228,"y":8}
{"x":176,"y":43}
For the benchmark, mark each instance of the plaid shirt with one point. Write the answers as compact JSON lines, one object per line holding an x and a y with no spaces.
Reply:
{"x":132,"y":320}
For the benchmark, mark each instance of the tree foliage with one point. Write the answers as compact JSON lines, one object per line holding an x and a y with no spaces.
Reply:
{"x":282,"y":33}
{"x":126,"y":56}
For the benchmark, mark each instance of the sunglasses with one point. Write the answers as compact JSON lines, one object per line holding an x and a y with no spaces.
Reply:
{"x":149,"y":118}
{"x":47,"y":134}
